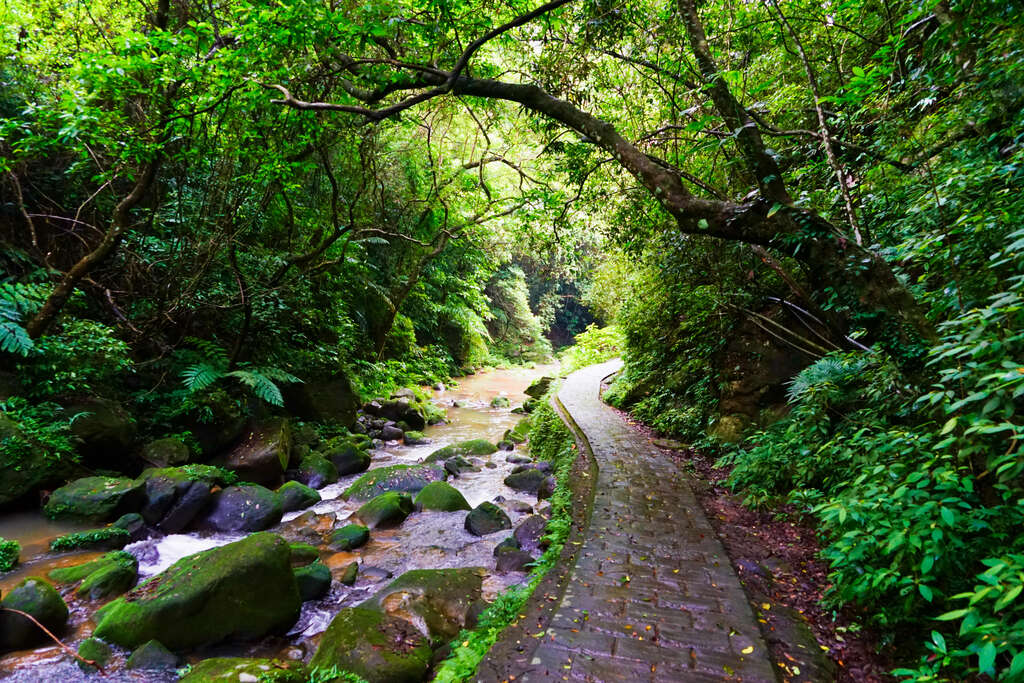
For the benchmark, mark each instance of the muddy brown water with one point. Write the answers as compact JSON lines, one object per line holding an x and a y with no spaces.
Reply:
{"x":427,"y":540}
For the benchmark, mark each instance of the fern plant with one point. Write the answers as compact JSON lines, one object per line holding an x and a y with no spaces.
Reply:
{"x":17,"y":301}
{"x":262,"y":381}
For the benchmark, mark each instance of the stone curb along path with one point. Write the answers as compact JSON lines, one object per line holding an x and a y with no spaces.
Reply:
{"x":653,"y":596}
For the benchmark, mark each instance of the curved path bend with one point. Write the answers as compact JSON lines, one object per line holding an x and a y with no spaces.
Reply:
{"x":653,"y":596}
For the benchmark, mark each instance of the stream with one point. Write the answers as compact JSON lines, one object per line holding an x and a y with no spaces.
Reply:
{"x":426,"y":540}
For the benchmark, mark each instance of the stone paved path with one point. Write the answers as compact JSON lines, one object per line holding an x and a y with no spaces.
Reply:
{"x":653,"y":596}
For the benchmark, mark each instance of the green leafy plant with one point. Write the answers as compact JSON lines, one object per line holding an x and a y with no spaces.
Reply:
{"x":262,"y":381}
{"x":9,"y":552}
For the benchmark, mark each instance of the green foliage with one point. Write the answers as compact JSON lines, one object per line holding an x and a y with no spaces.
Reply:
{"x":41,"y":432}
{"x":594,"y":345}
{"x":261,"y":381}
{"x":516,"y":332}
{"x":333,"y":675}
{"x":83,"y":356}
{"x":9,"y":552}
{"x":421,"y":366}
{"x":90,"y":539}
{"x":17,"y":301}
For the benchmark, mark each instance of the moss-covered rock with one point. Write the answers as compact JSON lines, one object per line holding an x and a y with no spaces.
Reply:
{"x":9,"y":553}
{"x":414,"y":438}
{"x":303,"y":554}
{"x":94,"y":650}
{"x":438,"y":495}
{"x":539,"y":387}
{"x":500,"y":402}
{"x":394,"y":478}
{"x":347,"y":457}
{"x":374,"y":645}
{"x":519,"y":433}
{"x":95,"y":499}
{"x":314,"y":580}
{"x":532,"y":481}
{"x":349,"y":574}
{"x":316,"y":471}
{"x":241,"y":590}
{"x":349,"y":537}
{"x":174,"y":496}
{"x":334,"y":399}
{"x":166,"y":453}
{"x":296,"y":496}
{"x":243,"y":508}
{"x":487,"y":518}
{"x":386,"y":511}
{"x":36,"y":597}
{"x":463,"y":448}
{"x":105,"y":577}
{"x":400,"y":410}
{"x":107,"y":538}
{"x":153,"y":656}
{"x":237,"y":669}
{"x":438,"y":600}
{"x":263,"y":453}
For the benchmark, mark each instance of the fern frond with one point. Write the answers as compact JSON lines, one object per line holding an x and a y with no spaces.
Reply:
{"x":199,"y":376}
{"x":213,"y":354}
{"x":279,"y":375}
{"x":14,"y":338}
{"x":260,"y":384}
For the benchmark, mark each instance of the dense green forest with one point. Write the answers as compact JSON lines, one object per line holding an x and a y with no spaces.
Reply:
{"x":798,"y":223}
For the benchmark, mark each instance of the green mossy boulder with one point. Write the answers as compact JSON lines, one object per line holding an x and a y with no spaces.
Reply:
{"x":463,"y":448}
{"x":242,"y":590}
{"x":539,"y":387}
{"x":349,"y":537}
{"x":296,"y":496}
{"x":36,"y":597}
{"x":347,"y":457}
{"x":500,"y":402}
{"x":414,"y":438}
{"x":94,"y":650}
{"x":440,"y":599}
{"x":386,"y":511}
{"x":107,"y":538}
{"x":239,"y":669}
{"x":263,"y":453}
{"x":174,"y":496}
{"x":153,"y":656}
{"x":242,"y":508}
{"x":334,"y":399}
{"x":303,"y":554}
{"x":105,"y":577}
{"x":534,"y":481}
{"x":314,"y":580}
{"x":378,"y":647}
{"x":9,"y":553}
{"x":316,"y":471}
{"x":166,"y":453}
{"x":439,"y":495}
{"x":394,"y":478}
{"x":349,"y":574}
{"x":487,"y":518}
{"x":95,"y":499}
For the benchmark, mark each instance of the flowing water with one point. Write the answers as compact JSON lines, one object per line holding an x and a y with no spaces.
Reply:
{"x":426,"y":540}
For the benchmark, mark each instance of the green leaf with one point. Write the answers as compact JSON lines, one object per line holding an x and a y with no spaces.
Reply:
{"x":925,"y":591}
{"x":1008,"y":597}
{"x":949,"y":426}
{"x":987,"y":659}
{"x":950,"y":616}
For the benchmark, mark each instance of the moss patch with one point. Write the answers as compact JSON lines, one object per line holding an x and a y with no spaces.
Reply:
{"x":375,"y":646}
{"x":463,"y":448}
{"x":106,"y":538}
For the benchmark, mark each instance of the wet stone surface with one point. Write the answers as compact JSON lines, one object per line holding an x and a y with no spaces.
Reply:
{"x":653,"y":596}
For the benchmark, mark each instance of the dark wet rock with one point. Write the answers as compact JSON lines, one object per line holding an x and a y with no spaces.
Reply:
{"x":153,"y":656}
{"x":217,"y":423}
{"x":371,"y":644}
{"x":531,"y":481}
{"x":505,"y":445}
{"x":243,"y":508}
{"x":314,"y":580}
{"x":394,"y":478}
{"x":530,"y":532}
{"x":438,"y":495}
{"x":263,"y":454}
{"x":487,"y":518}
{"x":391,"y":433}
{"x":435,"y":600}
{"x":134,"y":524}
{"x":518,"y":459}
{"x":316,"y":471}
{"x":506,"y":544}
{"x":95,"y":499}
{"x":458,"y":465}
{"x":186,"y":508}
{"x":173,"y":497}
{"x":241,"y":669}
{"x":539,"y":387}
{"x":349,"y":537}
{"x":166,"y":453}
{"x":520,"y":506}
{"x":334,"y":399}
{"x":359,"y":428}
{"x":242,"y":590}
{"x":386,"y":511}
{"x":296,"y":496}
{"x":462,"y":448}
{"x":107,"y":538}
{"x":305,"y":434}
{"x":349,"y":574}
{"x":105,"y":431}
{"x":512,"y":560}
{"x":348,"y":458}
{"x":414,"y":438}
{"x":36,"y":597}
{"x":500,"y":402}
{"x":94,"y":650}
{"x":303,"y":554}
{"x":400,"y":410}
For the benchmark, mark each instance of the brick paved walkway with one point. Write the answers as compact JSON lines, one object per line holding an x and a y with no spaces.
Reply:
{"x":653,"y":596}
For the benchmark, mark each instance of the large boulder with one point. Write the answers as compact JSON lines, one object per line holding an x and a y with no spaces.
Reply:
{"x":349,"y":537}
{"x":386,"y":511}
{"x":347,"y":458}
{"x":316,"y":471}
{"x":330,"y":400}
{"x":399,"y":410}
{"x":533,"y":481}
{"x":95,"y":499}
{"x":378,"y":647}
{"x":263,"y":453}
{"x":173,"y":496}
{"x":104,"y":429}
{"x":296,"y":496}
{"x":530,"y":533}
{"x":153,"y":656}
{"x":238,"y":669}
{"x":39,"y":599}
{"x":400,"y":478}
{"x":487,"y":518}
{"x":436,"y":601}
{"x":242,"y":590}
{"x":539,"y":387}
{"x":105,"y":577}
{"x":314,"y":580}
{"x":438,"y":495}
{"x":166,"y":453}
{"x":463,"y":448}
{"x":217,"y":421}
{"x":243,"y":508}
